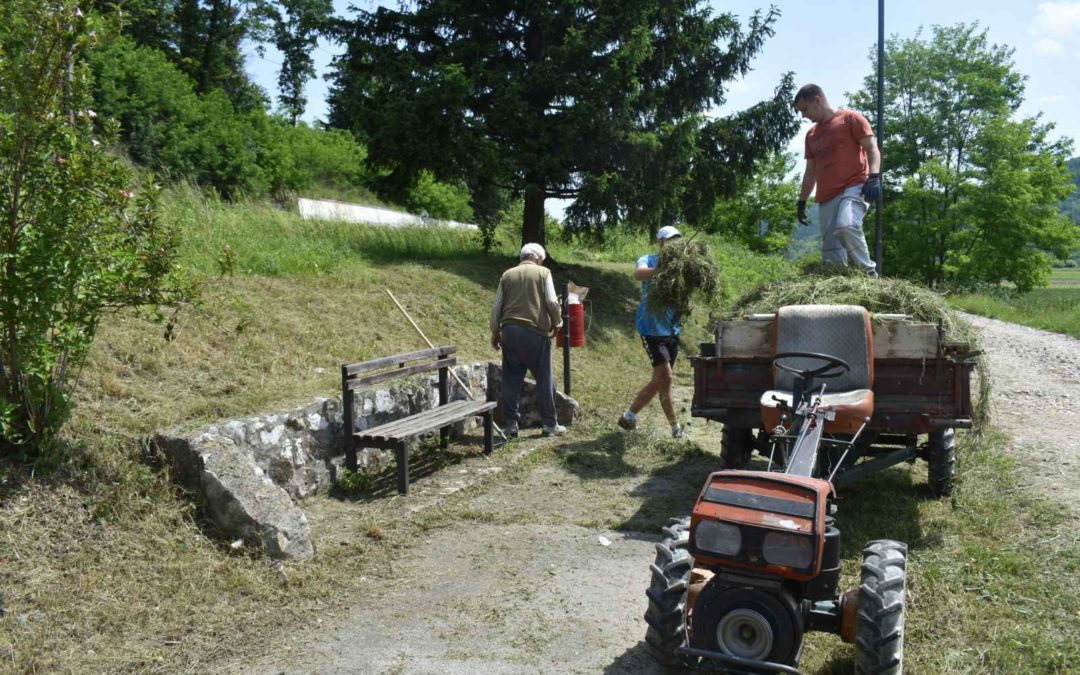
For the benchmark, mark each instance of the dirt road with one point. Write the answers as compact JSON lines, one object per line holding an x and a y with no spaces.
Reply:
{"x":1036,"y":400}
{"x":525,"y":585}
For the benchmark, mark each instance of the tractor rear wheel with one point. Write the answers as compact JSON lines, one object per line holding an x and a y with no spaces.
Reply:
{"x":879,"y":626}
{"x":666,"y":615}
{"x":941,"y":462}
{"x":736,"y":444}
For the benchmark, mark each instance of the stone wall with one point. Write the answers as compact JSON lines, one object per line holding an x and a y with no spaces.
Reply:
{"x":248,"y":473}
{"x":298,"y":449}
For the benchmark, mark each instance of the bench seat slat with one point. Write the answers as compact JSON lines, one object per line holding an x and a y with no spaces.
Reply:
{"x":429,"y":420}
{"x":402,"y":372}
{"x":422,"y":423}
{"x":452,"y":411}
{"x":375,"y":364}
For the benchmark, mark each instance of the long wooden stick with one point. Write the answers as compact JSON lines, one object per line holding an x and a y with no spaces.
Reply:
{"x":432,"y":345}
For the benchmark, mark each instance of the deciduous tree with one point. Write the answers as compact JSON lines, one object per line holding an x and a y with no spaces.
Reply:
{"x":972,"y":192}
{"x":296,"y":26}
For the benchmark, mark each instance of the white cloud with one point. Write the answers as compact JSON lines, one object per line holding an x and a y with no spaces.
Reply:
{"x":1049,"y":46}
{"x":1056,"y":22}
{"x":1052,"y":98}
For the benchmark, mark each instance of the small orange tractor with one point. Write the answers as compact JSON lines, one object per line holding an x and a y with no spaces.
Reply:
{"x":737,"y":584}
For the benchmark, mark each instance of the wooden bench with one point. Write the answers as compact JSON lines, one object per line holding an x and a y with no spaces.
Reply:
{"x":397,"y":435}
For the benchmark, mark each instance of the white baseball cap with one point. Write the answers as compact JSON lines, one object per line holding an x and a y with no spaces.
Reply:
{"x":667,"y":232}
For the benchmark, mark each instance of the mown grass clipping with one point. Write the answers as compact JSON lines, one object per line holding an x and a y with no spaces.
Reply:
{"x":687,"y":274}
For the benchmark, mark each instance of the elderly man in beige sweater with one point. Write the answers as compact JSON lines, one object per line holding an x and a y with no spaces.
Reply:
{"x":524,"y":317}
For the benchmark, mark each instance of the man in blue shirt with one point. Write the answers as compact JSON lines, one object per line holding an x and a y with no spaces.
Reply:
{"x":660,"y":336}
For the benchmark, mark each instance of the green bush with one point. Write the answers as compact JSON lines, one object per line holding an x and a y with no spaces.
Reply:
{"x":166,"y":125}
{"x":301,"y":158}
{"x":78,"y":240}
{"x":439,"y":200}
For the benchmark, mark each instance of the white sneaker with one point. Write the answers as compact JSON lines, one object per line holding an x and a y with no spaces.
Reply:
{"x":628,"y":421}
{"x":557,"y":430}
{"x":676,"y":431}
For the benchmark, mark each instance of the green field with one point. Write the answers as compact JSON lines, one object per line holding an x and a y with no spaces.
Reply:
{"x":1064,"y":276}
{"x":106,"y":566}
{"x":1056,"y":308}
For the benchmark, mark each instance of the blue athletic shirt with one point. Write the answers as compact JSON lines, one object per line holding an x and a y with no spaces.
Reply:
{"x":664,"y":324}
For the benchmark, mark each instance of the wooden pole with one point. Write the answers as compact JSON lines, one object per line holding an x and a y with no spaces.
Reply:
{"x":464,"y":386}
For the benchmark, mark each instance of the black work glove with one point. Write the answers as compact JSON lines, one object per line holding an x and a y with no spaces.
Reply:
{"x":871,"y":190}
{"x":801,"y":207}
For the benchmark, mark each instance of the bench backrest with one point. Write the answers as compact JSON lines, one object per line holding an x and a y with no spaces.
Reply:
{"x":367,"y":373}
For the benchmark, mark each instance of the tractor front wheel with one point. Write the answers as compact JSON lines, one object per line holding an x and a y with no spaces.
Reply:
{"x":736,"y":445}
{"x":879,"y":626}
{"x":667,"y":593}
{"x":941,"y":462}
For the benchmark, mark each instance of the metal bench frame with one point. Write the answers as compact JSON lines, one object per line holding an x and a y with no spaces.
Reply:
{"x":397,"y":434}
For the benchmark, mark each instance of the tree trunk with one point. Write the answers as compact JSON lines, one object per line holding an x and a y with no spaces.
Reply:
{"x":533,"y":225}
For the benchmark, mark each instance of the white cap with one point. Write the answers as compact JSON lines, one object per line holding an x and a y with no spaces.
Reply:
{"x":667,"y":232}
{"x":534,"y":251}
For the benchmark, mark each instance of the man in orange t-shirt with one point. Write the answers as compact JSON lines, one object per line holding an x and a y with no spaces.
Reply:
{"x":843,"y":161}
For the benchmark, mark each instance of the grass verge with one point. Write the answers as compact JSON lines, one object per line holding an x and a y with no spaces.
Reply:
{"x":1056,"y":308}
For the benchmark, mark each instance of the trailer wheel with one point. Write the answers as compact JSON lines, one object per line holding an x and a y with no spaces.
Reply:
{"x":879,"y":626}
{"x":941,"y":462}
{"x":666,"y":615}
{"x":736,"y":445}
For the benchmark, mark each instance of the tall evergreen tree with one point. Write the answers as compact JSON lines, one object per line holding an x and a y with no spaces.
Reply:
{"x":599,"y":101}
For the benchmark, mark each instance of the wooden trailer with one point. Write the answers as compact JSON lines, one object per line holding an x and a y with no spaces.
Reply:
{"x":921,"y":385}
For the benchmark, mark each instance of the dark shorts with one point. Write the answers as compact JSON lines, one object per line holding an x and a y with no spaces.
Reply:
{"x":661,"y":348}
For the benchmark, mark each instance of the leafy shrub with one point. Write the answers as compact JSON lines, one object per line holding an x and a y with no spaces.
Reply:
{"x":77,"y":239}
{"x":439,"y":200}
{"x":299,"y":158}
{"x":167,"y":126}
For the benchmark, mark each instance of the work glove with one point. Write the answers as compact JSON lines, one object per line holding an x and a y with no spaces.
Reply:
{"x":801,"y":212}
{"x":871,"y":190}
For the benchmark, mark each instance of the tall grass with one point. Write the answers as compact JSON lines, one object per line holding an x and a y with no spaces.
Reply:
{"x":1055,"y":309}
{"x":268,"y":241}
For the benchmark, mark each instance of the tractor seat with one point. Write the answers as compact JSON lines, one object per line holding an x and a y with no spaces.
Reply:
{"x":837,"y":330}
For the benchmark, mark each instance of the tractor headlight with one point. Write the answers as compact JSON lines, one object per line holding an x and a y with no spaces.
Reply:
{"x":792,"y":550}
{"x":717,"y":537}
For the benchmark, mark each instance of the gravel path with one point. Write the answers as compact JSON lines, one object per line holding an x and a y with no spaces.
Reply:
{"x":548,"y":596}
{"x":1035,"y":377}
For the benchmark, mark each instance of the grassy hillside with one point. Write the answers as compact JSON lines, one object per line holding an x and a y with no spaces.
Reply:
{"x":106,"y":566}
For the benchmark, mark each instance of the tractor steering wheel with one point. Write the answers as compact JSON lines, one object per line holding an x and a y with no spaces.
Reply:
{"x":834,"y":366}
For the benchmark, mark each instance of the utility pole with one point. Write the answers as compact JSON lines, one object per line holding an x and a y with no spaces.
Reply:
{"x":879,"y":237}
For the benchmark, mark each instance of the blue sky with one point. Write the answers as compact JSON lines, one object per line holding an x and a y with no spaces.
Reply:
{"x":829,"y":41}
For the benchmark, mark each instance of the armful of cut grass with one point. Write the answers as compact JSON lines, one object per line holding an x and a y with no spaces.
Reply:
{"x":687,"y":274}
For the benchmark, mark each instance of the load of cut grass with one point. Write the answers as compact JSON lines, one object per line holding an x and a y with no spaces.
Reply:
{"x":687,"y":274}
{"x":879,"y":296}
